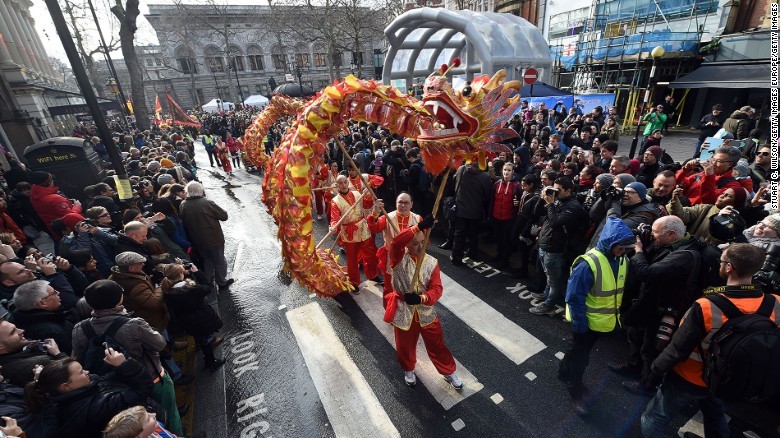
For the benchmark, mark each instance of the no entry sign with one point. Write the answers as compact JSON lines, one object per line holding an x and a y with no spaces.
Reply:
{"x":529,"y":77}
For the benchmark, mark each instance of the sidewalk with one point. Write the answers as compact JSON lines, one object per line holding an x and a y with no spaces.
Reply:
{"x":679,"y":143}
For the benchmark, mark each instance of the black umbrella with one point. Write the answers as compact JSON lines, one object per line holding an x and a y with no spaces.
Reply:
{"x":293,"y":90}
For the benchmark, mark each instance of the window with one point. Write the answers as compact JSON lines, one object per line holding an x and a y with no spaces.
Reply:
{"x":336,"y":59}
{"x":255,"y":62}
{"x":302,"y":59}
{"x":357,"y":58}
{"x":379,"y":60}
{"x":568,"y":23}
{"x":215,"y":64}
{"x":149,"y":62}
{"x":157,"y":62}
{"x":261,"y":89}
{"x":280,"y":61}
{"x":200,"y":97}
{"x":223,"y":93}
{"x":320,"y":60}
{"x":187,"y":66}
{"x":237,"y":63}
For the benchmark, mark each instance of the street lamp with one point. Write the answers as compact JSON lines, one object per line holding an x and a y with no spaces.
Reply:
{"x":113,"y":87}
{"x":233,"y":65}
{"x":298,"y":69}
{"x":656,"y":53}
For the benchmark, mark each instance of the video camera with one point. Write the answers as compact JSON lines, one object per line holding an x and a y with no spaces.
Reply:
{"x":768,"y":277}
{"x":611,"y":192}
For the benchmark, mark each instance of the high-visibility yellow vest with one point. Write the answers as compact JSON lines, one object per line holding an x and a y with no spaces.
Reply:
{"x":602,"y":304}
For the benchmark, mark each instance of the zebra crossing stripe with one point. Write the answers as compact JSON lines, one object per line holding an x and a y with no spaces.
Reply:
{"x":370,"y":301}
{"x":509,"y":338}
{"x":349,"y":402}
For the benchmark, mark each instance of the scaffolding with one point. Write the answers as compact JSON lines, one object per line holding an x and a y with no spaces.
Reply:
{"x":612,"y":52}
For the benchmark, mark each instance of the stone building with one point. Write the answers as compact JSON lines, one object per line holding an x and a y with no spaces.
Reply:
{"x":233,"y":52}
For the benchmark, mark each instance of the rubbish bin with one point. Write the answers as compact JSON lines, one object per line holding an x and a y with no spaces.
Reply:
{"x":73,"y":164}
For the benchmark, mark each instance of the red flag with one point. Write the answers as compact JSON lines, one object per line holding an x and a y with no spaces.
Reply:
{"x":178,"y":115}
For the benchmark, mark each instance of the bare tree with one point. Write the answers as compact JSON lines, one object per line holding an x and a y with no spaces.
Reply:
{"x":127,"y":16}
{"x":360,"y":24}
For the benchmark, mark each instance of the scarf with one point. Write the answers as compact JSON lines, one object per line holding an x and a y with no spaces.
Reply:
{"x":118,"y":310}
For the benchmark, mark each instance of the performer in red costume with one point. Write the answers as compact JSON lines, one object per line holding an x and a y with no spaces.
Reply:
{"x":410,"y":309}
{"x":320,"y":181}
{"x":353,"y":233}
{"x":390,"y":225}
{"x":356,"y":183}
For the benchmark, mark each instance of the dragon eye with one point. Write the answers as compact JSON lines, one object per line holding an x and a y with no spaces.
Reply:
{"x":466,"y":91}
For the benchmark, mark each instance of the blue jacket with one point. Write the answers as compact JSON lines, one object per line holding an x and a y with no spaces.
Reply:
{"x":102,"y":244}
{"x":581,"y":279}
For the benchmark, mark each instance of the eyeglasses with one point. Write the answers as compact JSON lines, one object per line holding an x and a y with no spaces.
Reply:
{"x":104,"y":215}
{"x":762,"y":154}
{"x":725,"y":261}
{"x":403,"y":202}
{"x":721,"y":161}
{"x":54,"y":292}
{"x":629,"y":192}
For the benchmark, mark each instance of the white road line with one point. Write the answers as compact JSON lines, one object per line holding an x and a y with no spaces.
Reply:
{"x":695,"y":425}
{"x":497,"y":398}
{"x":370,"y":301}
{"x":239,"y":258}
{"x":458,"y":425}
{"x":349,"y":401}
{"x":509,"y":338}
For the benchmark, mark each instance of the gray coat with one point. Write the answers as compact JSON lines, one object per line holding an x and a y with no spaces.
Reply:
{"x":141,"y":341}
{"x":201,"y":219}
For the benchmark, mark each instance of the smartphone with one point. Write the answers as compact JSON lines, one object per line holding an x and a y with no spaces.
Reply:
{"x":105,"y":346}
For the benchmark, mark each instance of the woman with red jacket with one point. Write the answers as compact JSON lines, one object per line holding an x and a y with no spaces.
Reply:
{"x":48,"y":202}
{"x":504,"y":199}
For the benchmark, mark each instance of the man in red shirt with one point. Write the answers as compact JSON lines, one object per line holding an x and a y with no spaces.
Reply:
{"x":353,"y":233}
{"x":390,"y":225}
{"x":704,"y":187}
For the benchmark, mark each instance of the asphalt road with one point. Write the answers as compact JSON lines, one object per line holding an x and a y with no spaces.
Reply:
{"x":301,"y":366}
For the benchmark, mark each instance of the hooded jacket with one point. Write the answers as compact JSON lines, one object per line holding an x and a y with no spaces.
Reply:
{"x":738,"y":124}
{"x":581,"y":279}
{"x":186,"y":302}
{"x":50,"y":205}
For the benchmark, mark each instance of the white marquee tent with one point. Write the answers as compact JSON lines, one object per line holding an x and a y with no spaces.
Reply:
{"x":256,"y":100}
{"x":215,"y":105}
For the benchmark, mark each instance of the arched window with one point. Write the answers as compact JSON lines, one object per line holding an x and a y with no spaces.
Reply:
{"x":302,"y":55}
{"x":320,"y":56}
{"x":185,"y":59}
{"x":236,"y":56}
{"x":214,"y":59}
{"x":279,"y":57}
{"x":255,"y":57}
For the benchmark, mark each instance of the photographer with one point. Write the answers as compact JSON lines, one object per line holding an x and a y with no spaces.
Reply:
{"x":68,"y":280}
{"x":709,"y":125}
{"x":629,"y":203}
{"x":658,"y":286}
{"x":564,"y":217}
{"x":697,"y":217}
{"x":704,"y":181}
{"x":18,"y":355}
{"x":655,"y":120}
{"x":88,"y":235}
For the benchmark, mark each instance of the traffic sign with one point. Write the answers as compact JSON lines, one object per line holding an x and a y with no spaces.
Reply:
{"x":529,"y":77}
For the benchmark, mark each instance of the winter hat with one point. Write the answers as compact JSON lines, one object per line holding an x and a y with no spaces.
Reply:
{"x":378,"y":154}
{"x":774,"y":220}
{"x":153,"y":166}
{"x":133,"y":164}
{"x":741,"y":169}
{"x":166,"y":163}
{"x":103,"y":294}
{"x":128,"y":258}
{"x":625,"y":179}
{"x":740,"y":196}
{"x":634,"y":166}
{"x":657,"y":151}
{"x":40,"y":178}
{"x":71,"y":219}
{"x":605,"y":179}
{"x":164,"y":179}
{"x":640,"y":189}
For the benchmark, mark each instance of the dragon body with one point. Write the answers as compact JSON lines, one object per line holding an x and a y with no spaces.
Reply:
{"x":449,"y":127}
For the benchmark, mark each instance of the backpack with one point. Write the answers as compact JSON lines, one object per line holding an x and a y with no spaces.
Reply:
{"x":704,"y":269}
{"x":744,"y":356}
{"x":93,"y":358}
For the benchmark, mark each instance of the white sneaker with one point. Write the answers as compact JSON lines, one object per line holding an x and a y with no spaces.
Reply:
{"x":454,"y":380}
{"x":410,"y":378}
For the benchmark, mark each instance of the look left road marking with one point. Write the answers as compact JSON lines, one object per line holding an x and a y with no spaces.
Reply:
{"x":349,"y":401}
{"x":370,"y":301}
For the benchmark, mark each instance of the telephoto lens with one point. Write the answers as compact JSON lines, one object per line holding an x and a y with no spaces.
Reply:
{"x":665,"y":331}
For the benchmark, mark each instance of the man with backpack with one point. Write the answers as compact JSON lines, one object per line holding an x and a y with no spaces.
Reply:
{"x":111,"y":324}
{"x":723,"y":350}
{"x":665,"y":276}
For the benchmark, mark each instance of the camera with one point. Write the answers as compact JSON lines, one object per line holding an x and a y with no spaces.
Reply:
{"x":767,"y":276}
{"x":611,"y":192}
{"x":37,"y":346}
{"x":645,"y":234}
{"x":91,"y":222}
{"x":550,"y":191}
{"x":727,"y":227}
{"x":187,"y":266}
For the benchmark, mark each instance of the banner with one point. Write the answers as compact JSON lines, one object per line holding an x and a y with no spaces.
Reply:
{"x":584,"y":103}
{"x":179,"y":116}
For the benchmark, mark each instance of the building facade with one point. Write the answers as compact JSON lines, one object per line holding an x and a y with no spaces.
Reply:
{"x":237,"y":51}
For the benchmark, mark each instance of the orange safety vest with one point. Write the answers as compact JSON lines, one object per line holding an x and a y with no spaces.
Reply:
{"x":691,"y":368}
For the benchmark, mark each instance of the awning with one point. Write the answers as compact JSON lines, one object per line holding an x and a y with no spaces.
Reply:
{"x":721,"y":75}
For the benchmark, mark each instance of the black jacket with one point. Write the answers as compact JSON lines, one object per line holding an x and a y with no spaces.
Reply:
{"x":70,"y":284}
{"x":18,"y":366}
{"x":473,"y":192}
{"x":84,"y":412}
{"x":657,"y":281}
{"x":564,"y":217}
{"x":186,"y":303}
{"x":13,"y":405}
{"x":43,"y":324}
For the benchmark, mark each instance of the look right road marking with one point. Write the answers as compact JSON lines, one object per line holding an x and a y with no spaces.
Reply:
{"x":370,"y":301}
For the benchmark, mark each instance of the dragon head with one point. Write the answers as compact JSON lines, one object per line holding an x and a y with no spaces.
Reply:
{"x":449,"y":121}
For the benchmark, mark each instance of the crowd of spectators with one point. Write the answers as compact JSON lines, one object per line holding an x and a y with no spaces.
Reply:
{"x":94,"y":293}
